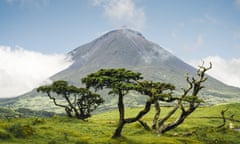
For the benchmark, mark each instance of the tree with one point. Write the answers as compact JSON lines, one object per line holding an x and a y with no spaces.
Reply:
{"x":120,"y":82}
{"x":80,"y":102}
{"x":157,"y":92}
{"x":186,"y":103}
{"x":223,"y":117}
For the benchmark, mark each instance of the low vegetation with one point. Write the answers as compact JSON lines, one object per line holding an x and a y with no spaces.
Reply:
{"x":9,"y":113}
{"x":200,"y":127}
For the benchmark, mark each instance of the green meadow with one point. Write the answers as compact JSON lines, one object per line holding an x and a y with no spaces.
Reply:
{"x":200,"y":127}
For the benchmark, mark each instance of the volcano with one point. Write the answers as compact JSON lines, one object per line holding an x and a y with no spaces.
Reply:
{"x":125,"y":48}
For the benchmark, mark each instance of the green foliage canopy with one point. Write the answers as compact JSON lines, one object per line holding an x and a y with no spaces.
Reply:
{"x":115,"y":79}
{"x":79,"y":101}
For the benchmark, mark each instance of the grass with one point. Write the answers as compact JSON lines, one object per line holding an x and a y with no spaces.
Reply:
{"x":99,"y":129}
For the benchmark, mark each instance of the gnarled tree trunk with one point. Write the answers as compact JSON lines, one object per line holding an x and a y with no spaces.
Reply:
{"x":121,"y":110}
{"x":122,"y":122}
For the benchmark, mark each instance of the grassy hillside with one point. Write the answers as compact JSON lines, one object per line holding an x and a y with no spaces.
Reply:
{"x":99,"y":129}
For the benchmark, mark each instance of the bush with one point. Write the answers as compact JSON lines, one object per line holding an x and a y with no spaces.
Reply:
{"x":4,"y":135}
{"x":38,"y":121}
{"x":81,"y":142}
{"x":52,"y":142}
{"x":21,"y":131}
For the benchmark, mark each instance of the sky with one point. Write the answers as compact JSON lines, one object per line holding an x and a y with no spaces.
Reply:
{"x":36,"y":35}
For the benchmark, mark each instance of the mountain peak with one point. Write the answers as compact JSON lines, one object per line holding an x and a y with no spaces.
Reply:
{"x":121,"y":47}
{"x":122,"y":33}
{"x":126,"y":32}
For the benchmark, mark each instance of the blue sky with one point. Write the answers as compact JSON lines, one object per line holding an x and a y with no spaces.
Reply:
{"x":193,"y":30}
{"x":205,"y":27}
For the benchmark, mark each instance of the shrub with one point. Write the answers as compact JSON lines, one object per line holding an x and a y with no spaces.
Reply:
{"x":21,"y":131}
{"x":81,"y":142}
{"x":4,"y":135}
{"x":52,"y":142}
{"x":38,"y":121}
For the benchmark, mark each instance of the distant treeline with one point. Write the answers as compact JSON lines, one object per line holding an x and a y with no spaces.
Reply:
{"x":23,"y":112}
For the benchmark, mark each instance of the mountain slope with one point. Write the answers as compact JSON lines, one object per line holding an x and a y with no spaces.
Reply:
{"x":131,"y":50}
{"x":124,"y":48}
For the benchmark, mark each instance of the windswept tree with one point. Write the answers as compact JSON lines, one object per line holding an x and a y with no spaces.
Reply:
{"x":120,"y":82}
{"x":187,"y":103}
{"x":79,"y":102}
{"x":157,"y":92}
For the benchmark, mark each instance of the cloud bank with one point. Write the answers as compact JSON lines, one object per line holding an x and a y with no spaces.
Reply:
{"x":227,"y":71}
{"x":122,"y":13}
{"x":22,"y":70}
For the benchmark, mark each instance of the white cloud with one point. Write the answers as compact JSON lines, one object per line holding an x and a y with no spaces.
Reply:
{"x":22,"y":70}
{"x":227,"y":71}
{"x":122,"y":13}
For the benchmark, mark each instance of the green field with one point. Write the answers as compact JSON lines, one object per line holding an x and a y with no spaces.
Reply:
{"x":200,"y":127}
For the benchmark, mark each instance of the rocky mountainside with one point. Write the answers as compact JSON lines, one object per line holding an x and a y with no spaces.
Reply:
{"x":128,"y":49}
{"x":131,"y":50}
